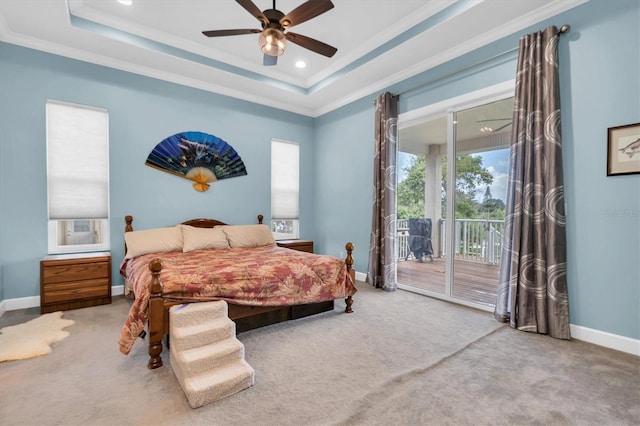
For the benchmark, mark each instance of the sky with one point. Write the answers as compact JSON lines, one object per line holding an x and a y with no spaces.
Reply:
{"x":497,"y":162}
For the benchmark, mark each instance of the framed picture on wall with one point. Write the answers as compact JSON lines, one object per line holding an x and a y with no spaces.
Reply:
{"x":623,"y":150}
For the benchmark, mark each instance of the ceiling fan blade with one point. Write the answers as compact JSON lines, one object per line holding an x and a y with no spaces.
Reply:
{"x":253,"y":9}
{"x":221,"y":33}
{"x":307,"y":10}
{"x":311,"y":44}
{"x":269,"y":60}
{"x":501,"y":127}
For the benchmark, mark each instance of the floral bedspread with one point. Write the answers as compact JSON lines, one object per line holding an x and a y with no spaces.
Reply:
{"x":259,"y":276}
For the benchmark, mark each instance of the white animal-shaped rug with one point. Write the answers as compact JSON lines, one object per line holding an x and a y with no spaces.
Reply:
{"x":32,"y":338}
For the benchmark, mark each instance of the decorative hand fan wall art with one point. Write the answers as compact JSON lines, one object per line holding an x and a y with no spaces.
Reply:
{"x":197,"y":156}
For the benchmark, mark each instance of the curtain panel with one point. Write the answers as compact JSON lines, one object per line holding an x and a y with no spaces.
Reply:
{"x":382,"y":269}
{"x":532,"y":284}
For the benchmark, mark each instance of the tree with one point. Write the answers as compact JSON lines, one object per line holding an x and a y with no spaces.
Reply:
{"x":410,"y":191}
{"x":470,"y":175}
{"x":487,"y":195}
{"x":492,"y":208}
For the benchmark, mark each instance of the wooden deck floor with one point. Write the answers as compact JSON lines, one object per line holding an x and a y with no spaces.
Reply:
{"x":473,"y":281}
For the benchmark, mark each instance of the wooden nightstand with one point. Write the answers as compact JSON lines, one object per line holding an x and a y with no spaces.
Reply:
{"x":300,"y":245}
{"x":72,"y":281}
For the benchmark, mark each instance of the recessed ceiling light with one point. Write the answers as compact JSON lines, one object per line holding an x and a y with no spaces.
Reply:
{"x":126,"y":2}
{"x":301,"y":64}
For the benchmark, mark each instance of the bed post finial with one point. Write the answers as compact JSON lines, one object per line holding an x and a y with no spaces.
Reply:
{"x":128,"y":220}
{"x":128,"y":228}
{"x":352,"y":273}
{"x":260,"y":217}
{"x":349,"y":260}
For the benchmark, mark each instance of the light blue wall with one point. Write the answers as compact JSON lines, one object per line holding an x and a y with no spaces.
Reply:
{"x":343,"y":178}
{"x":601,"y":76}
{"x":142,"y":112}
{"x":600,"y":88}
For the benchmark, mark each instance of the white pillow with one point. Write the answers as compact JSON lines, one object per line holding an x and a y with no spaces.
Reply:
{"x":155,"y":240}
{"x":248,"y":235}
{"x":203,"y":238}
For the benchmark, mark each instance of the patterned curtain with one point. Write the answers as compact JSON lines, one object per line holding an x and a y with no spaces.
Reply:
{"x":382,"y":270}
{"x":532,"y":284}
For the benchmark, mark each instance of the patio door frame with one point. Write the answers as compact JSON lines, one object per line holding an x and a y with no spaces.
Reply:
{"x":449,"y":108}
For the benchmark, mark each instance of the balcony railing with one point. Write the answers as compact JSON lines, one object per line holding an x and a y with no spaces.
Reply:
{"x":403,"y":239}
{"x":477,"y":240}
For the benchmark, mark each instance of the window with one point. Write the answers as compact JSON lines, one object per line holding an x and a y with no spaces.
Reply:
{"x":285,"y":188}
{"x":77,"y":177}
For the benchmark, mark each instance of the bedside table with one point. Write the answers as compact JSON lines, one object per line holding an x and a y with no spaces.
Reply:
{"x":72,"y":281}
{"x":300,"y":245}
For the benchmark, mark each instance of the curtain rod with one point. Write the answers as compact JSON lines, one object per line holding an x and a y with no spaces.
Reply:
{"x":563,"y":30}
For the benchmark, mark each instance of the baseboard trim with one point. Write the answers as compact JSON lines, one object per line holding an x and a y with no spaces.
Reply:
{"x":608,"y":340}
{"x":361,"y":276}
{"x":20,"y":303}
{"x":34,"y":301}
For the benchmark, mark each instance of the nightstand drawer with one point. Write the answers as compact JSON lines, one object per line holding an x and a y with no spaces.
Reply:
{"x":75,"y":290}
{"x":76,"y":272}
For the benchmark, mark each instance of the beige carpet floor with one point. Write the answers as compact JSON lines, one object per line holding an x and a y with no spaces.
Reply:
{"x":400,"y":359}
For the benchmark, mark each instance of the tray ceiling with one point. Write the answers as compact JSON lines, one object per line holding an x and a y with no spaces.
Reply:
{"x":380,"y":42}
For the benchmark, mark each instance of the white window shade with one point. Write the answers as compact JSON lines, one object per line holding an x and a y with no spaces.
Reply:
{"x":285,"y":187}
{"x":77,"y":161}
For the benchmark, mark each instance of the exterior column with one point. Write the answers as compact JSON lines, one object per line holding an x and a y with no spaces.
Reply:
{"x":433,"y":193}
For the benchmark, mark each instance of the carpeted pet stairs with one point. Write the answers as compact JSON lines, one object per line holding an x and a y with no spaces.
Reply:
{"x":206,"y":357}
{"x":32,"y":338}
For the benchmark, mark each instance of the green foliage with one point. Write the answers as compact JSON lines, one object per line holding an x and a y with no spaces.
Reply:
{"x":406,"y":212}
{"x":492,"y":208}
{"x":410,"y":191}
{"x":466,"y":209}
{"x":470,"y":175}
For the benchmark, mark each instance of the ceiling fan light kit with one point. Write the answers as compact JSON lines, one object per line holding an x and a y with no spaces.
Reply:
{"x":272,"y":42}
{"x":273,"y":39}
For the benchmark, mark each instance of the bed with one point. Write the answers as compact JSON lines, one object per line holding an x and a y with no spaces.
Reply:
{"x":206,"y":259}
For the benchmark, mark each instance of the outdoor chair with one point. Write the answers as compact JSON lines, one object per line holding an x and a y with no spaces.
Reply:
{"x":419,"y":239}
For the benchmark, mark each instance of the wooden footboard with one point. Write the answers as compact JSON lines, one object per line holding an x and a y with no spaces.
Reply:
{"x":158,"y":316}
{"x":245,"y":317}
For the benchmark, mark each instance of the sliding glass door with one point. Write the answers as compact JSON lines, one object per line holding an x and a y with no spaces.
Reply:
{"x":481,"y":160}
{"x":421,"y":205}
{"x":452,"y":175}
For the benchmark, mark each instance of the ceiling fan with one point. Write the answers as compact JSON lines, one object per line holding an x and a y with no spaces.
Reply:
{"x":274,"y":23}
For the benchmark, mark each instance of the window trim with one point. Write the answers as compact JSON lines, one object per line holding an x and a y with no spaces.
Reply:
{"x":52,"y":224}
{"x":296,"y":220}
{"x":55,"y":248}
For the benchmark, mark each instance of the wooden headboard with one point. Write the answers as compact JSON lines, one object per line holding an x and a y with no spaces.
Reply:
{"x":198,"y":223}
{"x":210,"y":223}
